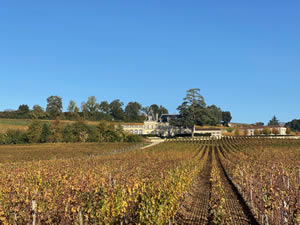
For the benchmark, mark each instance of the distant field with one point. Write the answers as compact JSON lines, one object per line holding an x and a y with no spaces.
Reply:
{"x":7,"y":124}
{"x":36,"y":152}
{"x":22,"y":124}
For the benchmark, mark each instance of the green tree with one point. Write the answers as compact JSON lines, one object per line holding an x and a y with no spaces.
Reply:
{"x":229,"y":129}
{"x":275,"y":131}
{"x":256,"y":132}
{"x":68,"y":133}
{"x":133,"y":112}
{"x":237,"y":132}
{"x":215,"y":114}
{"x":80,"y":131}
{"x":162,"y":110}
{"x":116,"y":110}
{"x":46,"y":132}
{"x":104,"y":107}
{"x":23,"y":109}
{"x":54,"y":106}
{"x":72,"y":107}
{"x":293,"y":125}
{"x":37,"y":112}
{"x":56,"y":129}
{"x":226,"y":118}
{"x":191,"y":111}
{"x":73,"y":110}
{"x":157,"y":110}
{"x":267,"y":131}
{"x":92,"y":105}
{"x":2,"y":139}
{"x":90,"y":108}
{"x":15,"y":137}
{"x":274,"y":122}
{"x":34,"y":132}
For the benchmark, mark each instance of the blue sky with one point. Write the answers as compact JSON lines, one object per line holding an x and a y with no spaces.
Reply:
{"x":243,"y":55}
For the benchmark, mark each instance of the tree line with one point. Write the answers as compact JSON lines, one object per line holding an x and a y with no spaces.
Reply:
{"x":89,"y":110}
{"x":56,"y":131}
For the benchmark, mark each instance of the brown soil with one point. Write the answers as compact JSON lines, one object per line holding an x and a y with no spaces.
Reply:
{"x":195,"y":207}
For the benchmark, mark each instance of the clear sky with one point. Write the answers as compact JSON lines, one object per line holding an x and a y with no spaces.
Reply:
{"x":243,"y":55}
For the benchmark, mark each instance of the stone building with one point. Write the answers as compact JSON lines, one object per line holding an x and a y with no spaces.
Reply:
{"x":162,"y":127}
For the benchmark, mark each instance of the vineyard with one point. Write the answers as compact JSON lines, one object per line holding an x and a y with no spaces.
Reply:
{"x":181,"y":181}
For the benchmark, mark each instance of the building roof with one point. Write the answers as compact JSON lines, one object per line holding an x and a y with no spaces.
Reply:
{"x":262,"y":127}
{"x":167,"y":117}
{"x":207,"y":129}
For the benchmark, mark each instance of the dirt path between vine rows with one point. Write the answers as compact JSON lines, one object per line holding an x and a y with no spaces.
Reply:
{"x":235,"y":205}
{"x":195,"y":207}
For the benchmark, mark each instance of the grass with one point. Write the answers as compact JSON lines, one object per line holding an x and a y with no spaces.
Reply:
{"x":13,"y":124}
{"x":22,"y":124}
{"x":36,"y":152}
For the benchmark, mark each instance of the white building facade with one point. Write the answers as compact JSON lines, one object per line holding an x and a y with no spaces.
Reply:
{"x":162,"y":128}
{"x":279,"y":130}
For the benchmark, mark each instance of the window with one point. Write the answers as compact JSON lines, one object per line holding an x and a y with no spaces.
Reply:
{"x":141,"y":131}
{"x":136,"y":131}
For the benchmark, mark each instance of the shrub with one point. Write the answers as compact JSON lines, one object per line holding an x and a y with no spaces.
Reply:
{"x":109,"y":133}
{"x":45,"y":133}
{"x":237,"y":131}
{"x":16,"y":137}
{"x":133,"y":138}
{"x":2,"y":139}
{"x":267,"y":131}
{"x":275,"y":131}
{"x":256,"y":132}
{"x":80,"y":131}
{"x":229,"y":129}
{"x":34,"y":132}
{"x":68,"y":133}
{"x":92,"y":135}
{"x":56,"y":131}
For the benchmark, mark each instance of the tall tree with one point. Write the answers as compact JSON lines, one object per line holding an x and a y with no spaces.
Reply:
{"x":162,"y":110}
{"x":37,"y":112}
{"x":72,"y":107}
{"x":34,"y":132}
{"x":133,"y":112}
{"x":23,"y":109}
{"x":191,"y":111}
{"x":92,"y":105}
{"x":226,"y":118}
{"x":116,"y":110}
{"x":155,"y":110}
{"x":104,"y":107}
{"x":293,"y":125}
{"x":73,"y":110}
{"x":90,"y":108}
{"x":215,"y":114}
{"x":274,"y":121}
{"x":54,"y":106}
